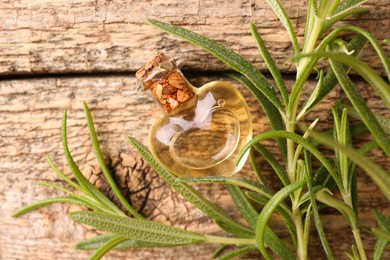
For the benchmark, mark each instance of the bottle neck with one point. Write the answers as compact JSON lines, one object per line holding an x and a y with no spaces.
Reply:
{"x":167,"y":84}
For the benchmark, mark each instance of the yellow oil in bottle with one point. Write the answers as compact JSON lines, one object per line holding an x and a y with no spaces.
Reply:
{"x":202,"y":129}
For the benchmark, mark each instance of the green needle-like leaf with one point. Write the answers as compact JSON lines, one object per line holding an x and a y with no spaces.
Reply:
{"x":218,"y":251}
{"x":371,"y":76}
{"x":353,"y":179}
{"x":306,"y":197}
{"x":343,"y":138}
{"x":276,"y":244}
{"x":226,"y":55}
{"x":240,"y":182}
{"x":110,"y":244}
{"x":381,"y":243}
{"x":236,"y":232}
{"x":312,"y":192}
{"x":271,"y":240}
{"x":256,"y":166}
{"x":330,"y":81}
{"x":87,"y":201}
{"x":325,"y":197}
{"x":381,"y":234}
{"x":45,"y":202}
{"x":377,"y":174}
{"x":243,"y":205}
{"x":251,"y":214}
{"x":362,"y":150}
{"x":361,"y":107}
{"x":98,"y":241}
{"x":240,"y":251}
{"x":63,"y":176}
{"x":313,"y":97}
{"x":271,"y":65}
{"x":137,"y":229}
{"x":88,"y":188}
{"x":258,"y":188}
{"x":336,"y":18}
{"x":267,"y":211}
{"x":279,"y":11}
{"x":276,"y":166}
{"x":375,"y":44}
{"x":379,"y":249}
{"x":383,"y":121}
{"x":282,"y":210}
{"x":103,"y":166}
{"x":347,"y":5}
{"x":340,"y":16}
{"x":344,"y":9}
{"x":354,"y":255}
{"x":383,"y":222}
{"x":359,"y":67}
{"x":298,"y":139}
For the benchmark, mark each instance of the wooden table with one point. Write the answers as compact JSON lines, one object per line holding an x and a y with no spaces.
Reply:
{"x":54,"y":54}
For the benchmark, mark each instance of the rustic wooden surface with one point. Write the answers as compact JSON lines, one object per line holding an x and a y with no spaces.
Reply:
{"x":62,"y":36}
{"x":82,"y":39}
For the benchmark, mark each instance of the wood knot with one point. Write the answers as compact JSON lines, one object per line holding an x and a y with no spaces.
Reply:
{"x":135,"y":179}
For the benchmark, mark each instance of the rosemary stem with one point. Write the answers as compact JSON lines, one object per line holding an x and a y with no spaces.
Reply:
{"x":301,"y":248}
{"x":229,"y":240}
{"x":355,"y":229}
{"x":290,"y":127}
{"x":317,"y":26}
{"x":302,"y":253}
{"x":359,"y":243}
{"x":291,"y":170}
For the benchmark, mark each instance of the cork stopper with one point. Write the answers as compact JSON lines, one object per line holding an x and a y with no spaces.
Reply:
{"x":165,"y":81}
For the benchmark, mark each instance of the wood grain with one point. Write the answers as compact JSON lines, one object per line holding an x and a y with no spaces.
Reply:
{"x":30,"y":121}
{"x":62,"y":36}
{"x":54,"y":54}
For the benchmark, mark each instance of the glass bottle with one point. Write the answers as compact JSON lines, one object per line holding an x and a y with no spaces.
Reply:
{"x":202,"y":129}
